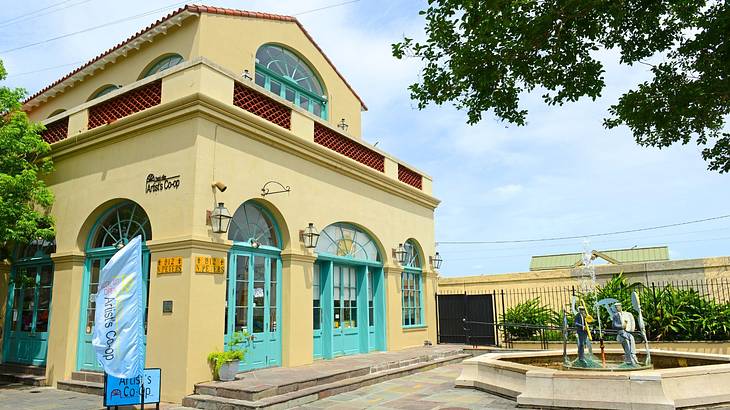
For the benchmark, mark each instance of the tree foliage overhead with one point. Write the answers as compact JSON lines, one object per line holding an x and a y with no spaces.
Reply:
{"x":483,"y":55}
{"x":25,"y":199}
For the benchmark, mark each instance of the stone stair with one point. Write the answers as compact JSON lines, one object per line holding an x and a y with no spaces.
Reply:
{"x":218,"y":396}
{"x":84,"y":382}
{"x":24,"y":374}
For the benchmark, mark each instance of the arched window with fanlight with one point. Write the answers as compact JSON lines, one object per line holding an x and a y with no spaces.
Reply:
{"x":111,"y":232}
{"x":253,"y":296}
{"x":349,"y":293}
{"x":284,"y":73}
{"x":162,"y":64}
{"x":412,"y":286}
{"x":103,"y":91}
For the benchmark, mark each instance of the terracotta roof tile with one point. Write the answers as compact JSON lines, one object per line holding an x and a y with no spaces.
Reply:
{"x":201,"y":9}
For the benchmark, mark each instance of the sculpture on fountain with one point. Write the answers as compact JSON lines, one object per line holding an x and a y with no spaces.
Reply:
{"x":624,"y":323}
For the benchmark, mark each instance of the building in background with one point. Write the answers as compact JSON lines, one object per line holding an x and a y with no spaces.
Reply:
{"x":210,"y":112}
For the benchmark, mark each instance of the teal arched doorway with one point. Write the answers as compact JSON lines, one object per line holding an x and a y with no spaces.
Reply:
{"x":29,"y":304}
{"x":253,"y":293}
{"x":110,"y":233}
{"x":349,"y":293}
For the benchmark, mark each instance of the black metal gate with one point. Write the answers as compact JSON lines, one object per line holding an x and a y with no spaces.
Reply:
{"x":467,"y":319}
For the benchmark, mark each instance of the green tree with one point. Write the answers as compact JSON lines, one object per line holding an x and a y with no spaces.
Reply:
{"x":25,"y":200}
{"x":484,"y":55}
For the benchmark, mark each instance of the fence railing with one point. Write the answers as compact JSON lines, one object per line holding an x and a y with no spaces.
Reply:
{"x":558,"y":297}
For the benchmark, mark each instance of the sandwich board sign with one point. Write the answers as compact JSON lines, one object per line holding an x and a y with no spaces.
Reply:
{"x":126,"y":392}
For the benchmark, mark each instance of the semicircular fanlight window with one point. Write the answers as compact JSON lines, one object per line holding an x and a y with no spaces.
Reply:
{"x":119,"y":225}
{"x":163,"y":64}
{"x":413,"y":256}
{"x":250,"y":224}
{"x":347,"y":241}
{"x":283,"y":62}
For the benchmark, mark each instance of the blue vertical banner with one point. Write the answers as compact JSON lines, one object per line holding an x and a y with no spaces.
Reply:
{"x":119,"y":320}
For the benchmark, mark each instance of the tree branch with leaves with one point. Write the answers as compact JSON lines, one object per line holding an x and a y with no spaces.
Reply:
{"x":25,"y":200}
{"x":485,"y":55}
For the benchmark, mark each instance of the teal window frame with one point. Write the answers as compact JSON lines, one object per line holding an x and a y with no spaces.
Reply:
{"x":287,"y":83}
{"x":412,"y":309}
{"x":104,"y":91}
{"x":162,"y":64}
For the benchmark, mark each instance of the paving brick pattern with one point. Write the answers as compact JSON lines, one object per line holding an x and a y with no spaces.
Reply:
{"x":433,"y":389}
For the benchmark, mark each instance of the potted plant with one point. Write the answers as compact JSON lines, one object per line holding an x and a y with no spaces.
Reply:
{"x":225,"y":364}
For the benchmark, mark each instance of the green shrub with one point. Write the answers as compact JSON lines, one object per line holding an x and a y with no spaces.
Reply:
{"x":529,"y":312}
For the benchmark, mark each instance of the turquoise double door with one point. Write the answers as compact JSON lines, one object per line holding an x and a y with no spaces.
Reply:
{"x":253,"y":304}
{"x":29,"y":309}
{"x":95,"y":262}
{"x":349,"y":309}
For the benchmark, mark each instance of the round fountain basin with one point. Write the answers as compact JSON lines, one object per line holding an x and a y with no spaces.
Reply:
{"x":538,"y":379}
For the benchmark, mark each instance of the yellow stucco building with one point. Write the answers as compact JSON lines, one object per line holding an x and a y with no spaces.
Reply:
{"x":141,"y":134}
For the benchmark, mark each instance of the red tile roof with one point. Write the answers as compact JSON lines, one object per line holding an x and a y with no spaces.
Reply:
{"x":201,"y":9}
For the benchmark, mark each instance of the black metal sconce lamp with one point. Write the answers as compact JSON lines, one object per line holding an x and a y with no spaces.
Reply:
{"x":400,"y":254}
{"x":220,"y":218}
{"x":435,"y":261}
{"x":309,"y":236}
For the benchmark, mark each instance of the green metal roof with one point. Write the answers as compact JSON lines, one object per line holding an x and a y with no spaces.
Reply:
{"x":569,"y":260}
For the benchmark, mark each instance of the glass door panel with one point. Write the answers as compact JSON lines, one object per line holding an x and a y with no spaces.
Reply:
{"x":30,"y":301}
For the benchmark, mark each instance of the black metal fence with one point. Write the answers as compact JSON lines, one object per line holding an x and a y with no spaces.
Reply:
{"x":555,"y":297}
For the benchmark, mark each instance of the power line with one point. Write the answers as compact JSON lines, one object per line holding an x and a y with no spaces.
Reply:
{"x":10,"y":20}
{"x":32,"y":15}
{"x":44,"y":69}
{"x":561,"y":238}
{"x":326,"y":7}
{"x":93,"y":28}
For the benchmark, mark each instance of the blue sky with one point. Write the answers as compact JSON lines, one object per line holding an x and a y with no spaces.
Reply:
{"x":561,"y":175}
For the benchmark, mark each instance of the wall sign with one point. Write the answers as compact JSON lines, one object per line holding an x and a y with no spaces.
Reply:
{"x":161,"y":183}
{"x":209,"y":264}
{"x":169,"y":265}
{"x":124,"y":392}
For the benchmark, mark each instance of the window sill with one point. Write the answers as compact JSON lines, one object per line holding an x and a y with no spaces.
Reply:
{"x":414,"y":328}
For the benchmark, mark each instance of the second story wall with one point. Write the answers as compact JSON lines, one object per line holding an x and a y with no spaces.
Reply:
{"x":182,"y":40}
{"x":232,"y":42}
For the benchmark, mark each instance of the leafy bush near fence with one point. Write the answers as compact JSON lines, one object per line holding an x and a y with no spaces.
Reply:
{"x":529,"y":312}
{"x":670,"y":313}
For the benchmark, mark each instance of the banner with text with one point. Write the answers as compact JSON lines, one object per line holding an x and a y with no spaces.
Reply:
{"x":119,"y":321}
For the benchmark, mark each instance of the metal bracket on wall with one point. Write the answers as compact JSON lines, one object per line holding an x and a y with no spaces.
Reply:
{"x":266,"y":191}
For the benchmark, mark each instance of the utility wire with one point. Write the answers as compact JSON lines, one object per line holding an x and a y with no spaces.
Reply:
{"x":10,"y":20}
{"x":32,"y":15}
{"x":45,"y":69}
{"x":326,"y":7}
{"x":93,"y":28}
{"x":561,"y":238}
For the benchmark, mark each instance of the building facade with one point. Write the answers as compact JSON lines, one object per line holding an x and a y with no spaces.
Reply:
{"x":141,"y":135}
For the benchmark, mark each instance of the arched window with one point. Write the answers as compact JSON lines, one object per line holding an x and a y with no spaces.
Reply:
{"x":412,"y":286}
{"x":38,"y":248}
{"x":104,"y":91}
{"x":349,"y":241}
{"x":56,"y":112}
{"x":119,"y":226}
{"x":163,"y":64}
{"x":285,"y":74}
{"x":251,"y":224}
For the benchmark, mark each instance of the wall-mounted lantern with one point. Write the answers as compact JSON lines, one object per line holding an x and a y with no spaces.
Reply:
{"x":247,"y":75}
{"x":435,"y":261}
{"x":310,"y":236}
{"x":400,"y":254}
{"x":220,"y":218}
{"x":342,"y":125}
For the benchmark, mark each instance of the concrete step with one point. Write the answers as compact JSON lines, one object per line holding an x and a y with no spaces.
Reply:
{"x":79,"y":386}
{"x":95,"y":377}
{"x":24,"y":374}
{"x":309,"y":394}
{"x":22,"y":368}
